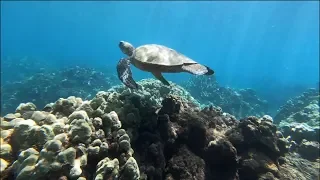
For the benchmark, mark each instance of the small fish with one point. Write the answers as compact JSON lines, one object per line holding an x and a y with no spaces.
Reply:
{"x":89,"y":95}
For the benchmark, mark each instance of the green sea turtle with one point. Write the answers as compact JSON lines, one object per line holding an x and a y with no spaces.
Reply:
{"x":156,"y":59}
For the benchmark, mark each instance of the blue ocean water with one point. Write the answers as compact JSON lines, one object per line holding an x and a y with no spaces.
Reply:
{"x":261,"y":45}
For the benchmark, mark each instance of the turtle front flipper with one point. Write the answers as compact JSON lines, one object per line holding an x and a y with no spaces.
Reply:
{"x":125,"y":74}
{"x":159,"y":76}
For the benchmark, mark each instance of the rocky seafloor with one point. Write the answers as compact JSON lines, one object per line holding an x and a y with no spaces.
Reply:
{"x":153,"y":133}
{"x":299,"y":120}
{"x":46,"y":86}
{"x":238,"y":102}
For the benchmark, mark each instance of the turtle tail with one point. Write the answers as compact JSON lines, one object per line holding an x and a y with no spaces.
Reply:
{"x":197,"y":69}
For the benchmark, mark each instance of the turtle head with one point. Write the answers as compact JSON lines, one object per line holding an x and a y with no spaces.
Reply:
{"x":126,"y":48}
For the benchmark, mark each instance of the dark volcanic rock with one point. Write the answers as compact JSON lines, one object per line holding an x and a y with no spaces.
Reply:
{"x":210,"y":144}
{"x":185,"y":165}
{"x":256,"y":164}
{"x":298,"y":169}
{"x":180,"y":142}
{"x":253,"y":133}
{"x":221,"y":158}
{"x":309,"y":149}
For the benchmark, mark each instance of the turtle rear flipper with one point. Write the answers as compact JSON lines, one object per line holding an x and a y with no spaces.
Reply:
{"x":197,"y":69}
{"x":160,"y":77}
{"x":125,"y":74}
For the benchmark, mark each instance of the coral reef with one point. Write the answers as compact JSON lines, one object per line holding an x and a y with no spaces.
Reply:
{"x":45,"y":87}
{"x":303,"y":108}
{"x":299,"y":120}
{"x":130,"y":135}
{"x":240,"y":103}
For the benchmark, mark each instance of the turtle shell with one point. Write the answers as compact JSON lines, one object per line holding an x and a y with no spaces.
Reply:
{"x":160,"y":55}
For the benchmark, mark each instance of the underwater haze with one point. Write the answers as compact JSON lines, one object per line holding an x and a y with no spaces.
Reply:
{"x":246,"y":43}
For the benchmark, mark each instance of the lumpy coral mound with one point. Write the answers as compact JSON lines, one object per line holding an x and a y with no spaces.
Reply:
{"x":156,"y":132}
